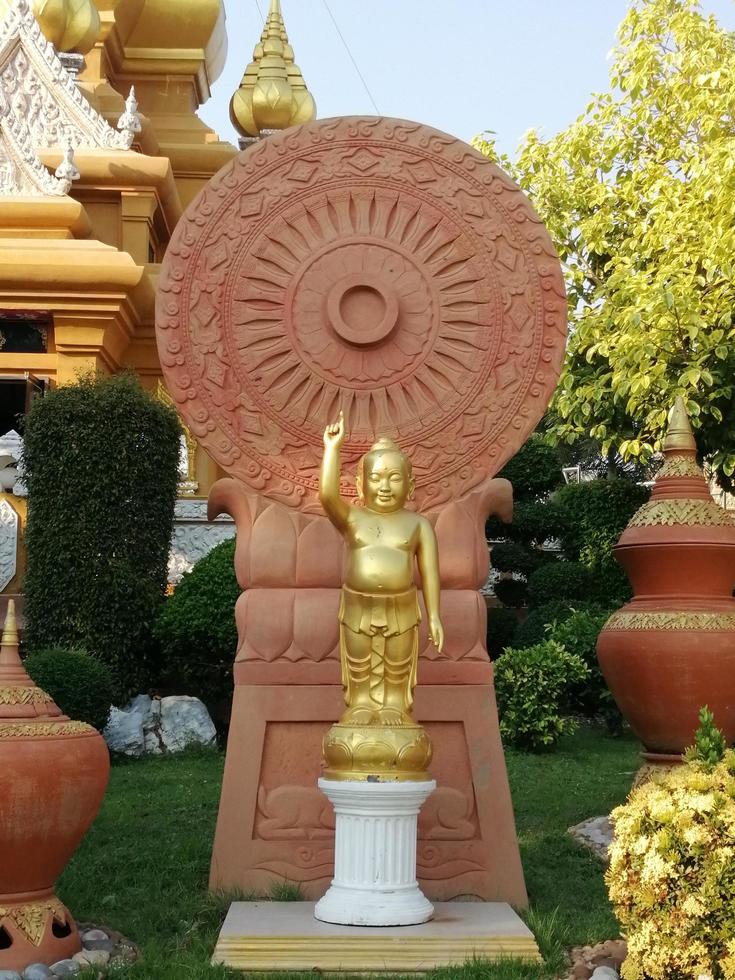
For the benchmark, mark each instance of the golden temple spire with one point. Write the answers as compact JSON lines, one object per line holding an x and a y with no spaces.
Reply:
{"x":72,"y":26}
{"x":679,"y":436}
{"x":272,"y":93}
{"x":10,"y":627}
{"x":11,"y":668}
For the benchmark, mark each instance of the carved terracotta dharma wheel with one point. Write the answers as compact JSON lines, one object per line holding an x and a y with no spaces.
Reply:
{"x":371,"y":265}
{"x":53,"y":774}
{"x":386,"y":270}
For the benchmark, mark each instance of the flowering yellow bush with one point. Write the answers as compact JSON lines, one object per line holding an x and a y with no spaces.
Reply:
{"x":672,"y":874}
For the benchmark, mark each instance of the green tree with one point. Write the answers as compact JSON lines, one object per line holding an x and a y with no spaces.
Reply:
{"x":639,"y":197}
{"x":101,"y":461}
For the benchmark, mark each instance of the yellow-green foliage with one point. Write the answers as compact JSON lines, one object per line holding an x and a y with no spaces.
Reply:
{"x":672,"y":874}
{"x":638,"y":196}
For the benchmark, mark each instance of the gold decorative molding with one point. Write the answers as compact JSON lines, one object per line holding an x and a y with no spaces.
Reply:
{"x":687,"y":512}
{"x":31,"y":919}
{"x":679,"y":466}
{"x":41,"y":729}
{"x":671,"y":621}
{"x":24,"y":695}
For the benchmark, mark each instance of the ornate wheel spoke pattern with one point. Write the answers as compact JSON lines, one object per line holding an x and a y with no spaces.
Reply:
{"x":370,"y":265}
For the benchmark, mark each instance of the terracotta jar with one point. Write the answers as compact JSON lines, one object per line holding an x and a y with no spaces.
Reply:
{"x":671,"y":650}
{"x":53,"y":775}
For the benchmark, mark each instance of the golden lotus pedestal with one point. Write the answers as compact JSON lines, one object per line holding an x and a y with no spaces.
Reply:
{"x":271,"y":936}
{"x":377,"y":753}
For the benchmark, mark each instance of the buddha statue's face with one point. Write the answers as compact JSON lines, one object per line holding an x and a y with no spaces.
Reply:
{"x":386,"y":482}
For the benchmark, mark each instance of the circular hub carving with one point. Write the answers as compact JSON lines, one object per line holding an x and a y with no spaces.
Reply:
{"x":362,"y":309}
{"x":368,"y":265}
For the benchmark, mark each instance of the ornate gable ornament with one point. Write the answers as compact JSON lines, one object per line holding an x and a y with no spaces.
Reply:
{"x":42,"y":108}
{"x":21,"y":172}
{"x":37,"y":90}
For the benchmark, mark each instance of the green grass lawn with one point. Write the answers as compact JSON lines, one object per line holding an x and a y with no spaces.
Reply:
{"x":143,"y":866}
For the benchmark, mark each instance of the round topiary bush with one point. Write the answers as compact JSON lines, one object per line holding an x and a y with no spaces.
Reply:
{"x":510,"y":556}
{"x":595,"y":514}
{"x":196,"y":628}
{"x":82,"y":686}
{"x":511,"y":592}
{"x":578,"y":634}
{"x":501,"y":628}
{"x":559,"y":580}
{"x":531,"y":686}
{"x":534,"y":522}
{"x":535,"y":470}
{"x":535,"y":627}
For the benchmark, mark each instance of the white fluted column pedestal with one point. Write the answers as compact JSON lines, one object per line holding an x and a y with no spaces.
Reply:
{"x":374,"y":880}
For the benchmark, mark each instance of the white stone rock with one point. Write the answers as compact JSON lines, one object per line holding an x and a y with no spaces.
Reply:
{"x":374,"y":880}
{"x":124,"y":732}
{"x":37,"y":971}
{"x":154,"y":726}
{"x":185,"y":721}
{"x":605,"y":973}
{"x":152,"y":729}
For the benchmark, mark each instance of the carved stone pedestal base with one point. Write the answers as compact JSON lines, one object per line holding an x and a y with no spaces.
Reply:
{"x":374,"y":880}
{"x":655,"y":765}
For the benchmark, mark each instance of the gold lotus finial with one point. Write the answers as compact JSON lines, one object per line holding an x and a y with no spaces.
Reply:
{"x":10,"y":629}
{"x":272,"y":93}
{"x":679,"y":435}
{"x":72,"y":26}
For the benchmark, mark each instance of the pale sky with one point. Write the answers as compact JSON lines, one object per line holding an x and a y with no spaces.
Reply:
{"x":459,"y":65}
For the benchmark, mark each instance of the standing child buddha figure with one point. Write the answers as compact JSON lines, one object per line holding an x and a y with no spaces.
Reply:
{"x":379,"y":609}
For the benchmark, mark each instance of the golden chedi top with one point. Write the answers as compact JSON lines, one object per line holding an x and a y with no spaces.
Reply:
{"x":272,"y":93}
{"x":679,"y":435}
{"x":72,"y":26}
{"x":681,"y":495}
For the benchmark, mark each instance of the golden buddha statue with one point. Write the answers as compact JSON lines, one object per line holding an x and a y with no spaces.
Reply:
{"x":379,"y":614}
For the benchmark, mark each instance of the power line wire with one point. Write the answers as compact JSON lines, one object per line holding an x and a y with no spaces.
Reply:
{"x":260,"y":12}
{"x":352,"y":59}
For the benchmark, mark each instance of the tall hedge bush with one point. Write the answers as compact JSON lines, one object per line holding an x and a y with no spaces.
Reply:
{"x":196,"y":629}
{"x":101,"y":463}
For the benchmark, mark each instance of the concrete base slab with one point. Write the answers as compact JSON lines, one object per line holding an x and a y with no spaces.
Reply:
{"x":285,"y":936}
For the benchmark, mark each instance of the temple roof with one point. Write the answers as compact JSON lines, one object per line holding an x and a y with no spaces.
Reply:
{"x":41,"y":108}
{"x":272,"y":93}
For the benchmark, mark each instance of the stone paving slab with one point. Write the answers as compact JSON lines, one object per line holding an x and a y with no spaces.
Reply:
{"x":273,"y":936}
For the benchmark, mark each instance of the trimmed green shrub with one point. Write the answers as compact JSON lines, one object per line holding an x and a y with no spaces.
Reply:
{"x":595,"y":515}
{"x":101,"y":463}
{"x":82,"y":686}
{"x":709,"y":743}
{"x":501,"y":627}
{"x":535,"y":627}
{"x":566,"y":580}
{"x":511,"y":592}
{"x":535,"y":470}
{"x":531,"y":686}
{"x":534,"y":522}
{"x":509,"y":556}
{"x":196,"y":627}
{"x":611,"y":586}
{"x":578,"y":634}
